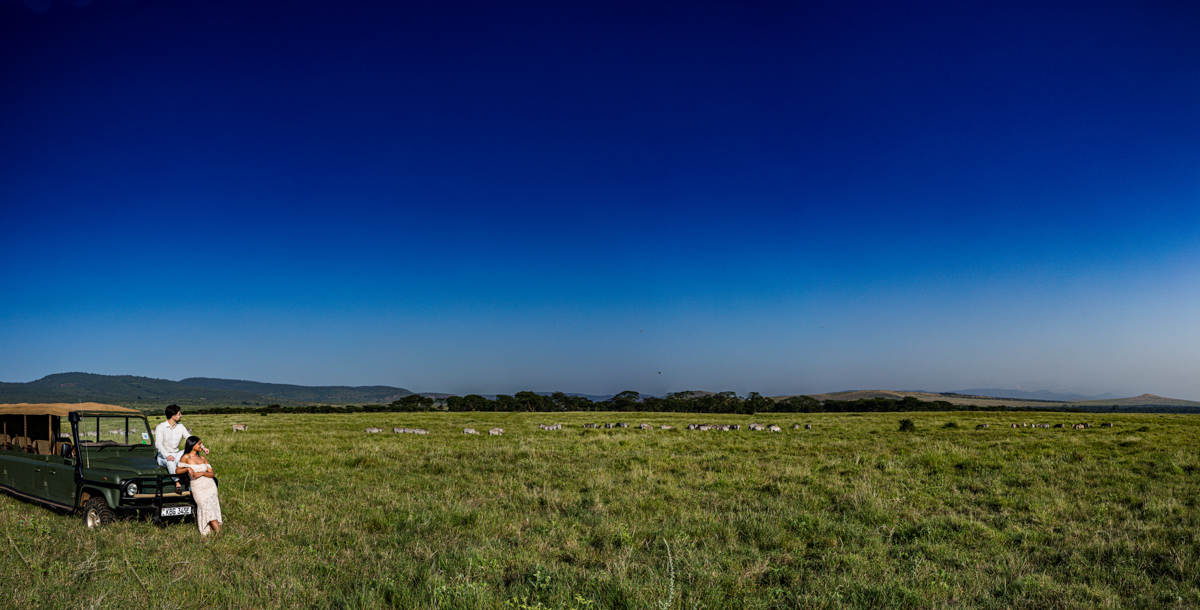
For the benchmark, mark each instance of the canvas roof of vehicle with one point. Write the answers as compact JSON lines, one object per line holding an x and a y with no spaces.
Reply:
{"x":61,"y":408}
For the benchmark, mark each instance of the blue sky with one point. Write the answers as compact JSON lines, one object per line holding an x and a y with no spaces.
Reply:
{"x":789,"y":197}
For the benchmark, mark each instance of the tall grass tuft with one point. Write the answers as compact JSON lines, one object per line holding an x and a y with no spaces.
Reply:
{"x":663,"y":605}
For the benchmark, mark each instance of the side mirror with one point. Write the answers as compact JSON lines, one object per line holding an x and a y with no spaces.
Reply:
{"x":66,"y":450}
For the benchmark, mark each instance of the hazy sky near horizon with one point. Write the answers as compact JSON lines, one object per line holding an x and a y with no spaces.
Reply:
{"x":782,"y":197}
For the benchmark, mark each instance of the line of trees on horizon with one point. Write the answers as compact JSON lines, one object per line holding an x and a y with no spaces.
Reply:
{"x":630,"y":401}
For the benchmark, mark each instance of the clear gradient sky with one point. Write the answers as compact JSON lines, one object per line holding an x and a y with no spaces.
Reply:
{"x":782,"y":197}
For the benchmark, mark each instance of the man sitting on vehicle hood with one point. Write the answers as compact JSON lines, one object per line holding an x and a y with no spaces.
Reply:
{"x":167,"y":437}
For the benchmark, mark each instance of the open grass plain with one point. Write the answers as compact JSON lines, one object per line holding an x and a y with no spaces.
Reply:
{"x":850,"y":514}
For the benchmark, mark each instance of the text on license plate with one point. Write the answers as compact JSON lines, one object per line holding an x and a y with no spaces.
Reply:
{"x":175,"y":511}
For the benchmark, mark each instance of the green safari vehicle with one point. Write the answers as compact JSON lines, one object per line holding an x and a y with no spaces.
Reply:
{"x":90,"y":459}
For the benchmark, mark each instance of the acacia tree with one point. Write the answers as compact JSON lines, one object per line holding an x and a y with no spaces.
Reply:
{"x":581,"y":403}
{"x":563,"y":402}
{"x":798,"y":404}
{"x":504,"y":402}
{"x":475,"y":402}
{"x":530,"y":401}
{"x":756,"y":403}
{"x":413,"y":402}
{"x":624,"y":401}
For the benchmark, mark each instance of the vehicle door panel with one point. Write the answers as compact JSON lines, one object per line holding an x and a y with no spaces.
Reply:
{"x":59,"y":474}
{"x":21,"y":473}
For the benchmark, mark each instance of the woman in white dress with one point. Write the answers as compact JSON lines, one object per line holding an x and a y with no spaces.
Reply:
{"x":204,"y":489}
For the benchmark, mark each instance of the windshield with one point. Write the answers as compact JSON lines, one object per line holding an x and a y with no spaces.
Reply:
{"x":113,"y":430}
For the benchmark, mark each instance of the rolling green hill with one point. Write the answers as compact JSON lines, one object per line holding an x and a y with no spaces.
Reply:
{"x":127,"y":390}
{"x":148,"y":393}
{"x":375,"y":394}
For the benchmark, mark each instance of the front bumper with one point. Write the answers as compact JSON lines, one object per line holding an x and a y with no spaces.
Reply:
{"x":150,"y":506}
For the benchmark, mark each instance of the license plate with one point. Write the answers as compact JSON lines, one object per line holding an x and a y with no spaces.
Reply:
{"x":176,"y":511}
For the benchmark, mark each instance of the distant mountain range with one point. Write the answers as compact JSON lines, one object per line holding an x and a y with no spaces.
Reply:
{"x":1038,"y":395}
{"x":152,"y":394}
{"x":129,"y":390}
{"x":333,"y":394}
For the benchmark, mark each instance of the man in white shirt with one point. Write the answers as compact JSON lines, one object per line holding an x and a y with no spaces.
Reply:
{"x":167,"y":437}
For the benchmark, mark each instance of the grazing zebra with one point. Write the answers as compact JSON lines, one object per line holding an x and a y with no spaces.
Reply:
{"x":756,"y":427}
{"x":496,"y":431}
{"x":1105,"y":425}
{"x":808,"y":426}
{"x":774,"y":428}
{"x":693,"y":426}
{"x":666,"y":427}
{"x":982,"y":427}
{"x":470,"y":431}
{"x":644,"y":426}
{"x":240,"y":427}
{"x":735,"y":426}
{"x":589,"y":425}
{"x":374,"y":430}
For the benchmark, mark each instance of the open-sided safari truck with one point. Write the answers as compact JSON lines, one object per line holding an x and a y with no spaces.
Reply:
{"x":92,"y":459}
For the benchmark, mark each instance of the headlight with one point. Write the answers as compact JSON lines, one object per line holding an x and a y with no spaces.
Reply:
{"x":131,"y":489}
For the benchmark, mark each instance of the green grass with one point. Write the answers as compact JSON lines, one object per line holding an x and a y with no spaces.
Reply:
{"x":851,"y":514}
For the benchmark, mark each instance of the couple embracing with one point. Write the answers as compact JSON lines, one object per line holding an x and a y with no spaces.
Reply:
{"x":189,"y":462}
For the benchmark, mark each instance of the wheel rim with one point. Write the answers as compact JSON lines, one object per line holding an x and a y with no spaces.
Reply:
{"x":93,"y":518}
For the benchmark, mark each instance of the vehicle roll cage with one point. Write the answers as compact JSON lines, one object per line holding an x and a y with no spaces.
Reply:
{"x":161,"y":482}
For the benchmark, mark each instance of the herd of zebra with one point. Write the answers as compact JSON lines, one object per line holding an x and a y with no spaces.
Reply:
{"x":701,"y":427}
{"x":1083,"y":426}
{"x":721,"y":427}
{"x":551,"y":427}
{"x":399,"y":430}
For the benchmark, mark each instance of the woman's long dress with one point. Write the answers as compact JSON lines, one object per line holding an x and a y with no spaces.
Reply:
{"x":208,"y":505}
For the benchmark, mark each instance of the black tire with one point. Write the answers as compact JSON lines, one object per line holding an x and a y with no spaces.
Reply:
{"x":96,"y":513}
